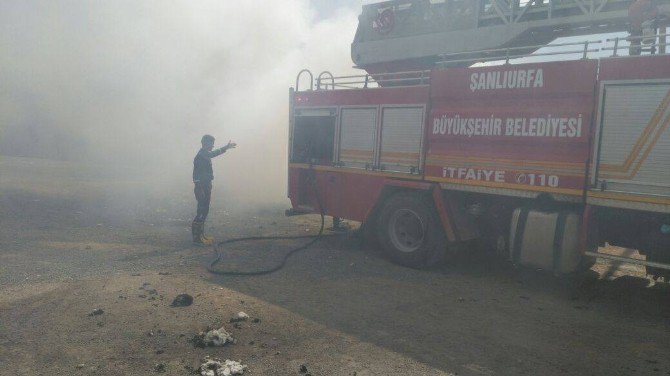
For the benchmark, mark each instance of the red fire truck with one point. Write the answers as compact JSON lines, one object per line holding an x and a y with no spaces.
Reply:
{"x":540,"y":161}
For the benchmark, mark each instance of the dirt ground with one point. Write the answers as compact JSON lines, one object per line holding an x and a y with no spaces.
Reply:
{"x":72,"y":240}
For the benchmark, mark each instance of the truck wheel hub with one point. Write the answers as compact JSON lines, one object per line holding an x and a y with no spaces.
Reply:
{"x":406,"y":230}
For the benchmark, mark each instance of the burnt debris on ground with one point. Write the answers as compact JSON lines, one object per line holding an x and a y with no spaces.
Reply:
{"x":96,"y":312}
{"x":182,"y":300}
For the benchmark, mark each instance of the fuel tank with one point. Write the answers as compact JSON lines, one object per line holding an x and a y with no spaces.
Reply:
{"x":546,"y":240}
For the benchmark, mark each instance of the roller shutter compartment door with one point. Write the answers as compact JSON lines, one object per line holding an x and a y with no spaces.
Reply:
{"x":401,"y":135}
{"x":634,"y":152}
{"x":357,"y":137}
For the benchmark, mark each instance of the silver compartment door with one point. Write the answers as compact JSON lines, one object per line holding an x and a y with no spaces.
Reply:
{"x":357,"y":137}
{"x":634,"y":147}
{"x":402,"y":131}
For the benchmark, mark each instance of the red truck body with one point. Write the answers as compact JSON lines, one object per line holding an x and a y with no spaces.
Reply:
{"x":589,"y":134}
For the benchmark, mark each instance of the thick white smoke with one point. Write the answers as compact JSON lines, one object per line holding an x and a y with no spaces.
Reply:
{"x":132,"y":85}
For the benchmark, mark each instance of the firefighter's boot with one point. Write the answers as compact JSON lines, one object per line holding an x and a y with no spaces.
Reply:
{"x":208,"y":240}
{"x":197,"y":229}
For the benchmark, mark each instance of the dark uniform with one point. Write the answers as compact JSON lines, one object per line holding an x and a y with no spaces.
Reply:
{"x":202,"y":179}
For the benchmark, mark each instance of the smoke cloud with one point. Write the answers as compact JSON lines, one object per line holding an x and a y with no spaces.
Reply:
{"x":130,"y":86}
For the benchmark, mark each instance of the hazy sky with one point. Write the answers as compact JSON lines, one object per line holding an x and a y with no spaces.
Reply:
{"x":326,"y":8}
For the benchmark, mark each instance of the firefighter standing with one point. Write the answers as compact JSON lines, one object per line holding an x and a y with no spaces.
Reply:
{"x":202,"y":179}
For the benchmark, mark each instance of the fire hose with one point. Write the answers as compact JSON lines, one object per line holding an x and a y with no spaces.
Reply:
{"x":218,"y":247}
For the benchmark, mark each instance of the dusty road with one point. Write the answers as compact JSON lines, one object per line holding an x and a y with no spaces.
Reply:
{"x":72,"y":241}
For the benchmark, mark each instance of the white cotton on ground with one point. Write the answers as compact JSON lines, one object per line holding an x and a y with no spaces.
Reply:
{"x":217,"y":337}
{"x":215,"y":367}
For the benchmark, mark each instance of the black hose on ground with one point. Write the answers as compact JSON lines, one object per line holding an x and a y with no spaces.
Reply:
{"x":219,"y":256}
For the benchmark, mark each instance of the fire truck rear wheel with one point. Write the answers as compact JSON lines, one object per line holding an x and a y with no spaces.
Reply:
{"x":409,"y":231}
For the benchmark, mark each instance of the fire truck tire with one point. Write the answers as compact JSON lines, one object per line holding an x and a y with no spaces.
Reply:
{"x":410,"y":232}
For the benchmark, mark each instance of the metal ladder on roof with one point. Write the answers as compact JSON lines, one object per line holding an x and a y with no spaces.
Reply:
{"x":421,"y":32}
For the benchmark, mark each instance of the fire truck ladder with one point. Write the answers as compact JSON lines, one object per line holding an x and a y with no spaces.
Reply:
{"x":415,"y":34}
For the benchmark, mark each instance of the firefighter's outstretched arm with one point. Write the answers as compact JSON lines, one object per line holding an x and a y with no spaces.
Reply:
{"x":219,"y":151}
